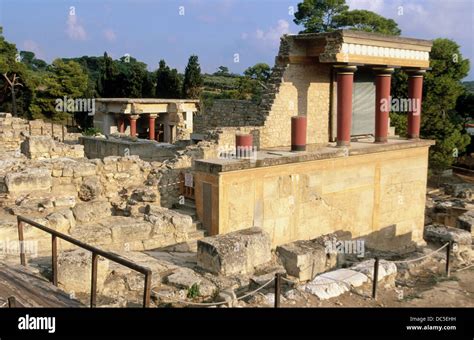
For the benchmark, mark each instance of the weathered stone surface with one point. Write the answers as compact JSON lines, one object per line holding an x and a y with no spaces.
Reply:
{"x":65,"y":202}
{"x":59,"y":222}
{"x":126,"y":229}
{"x":164,"y":218}
{"x":37,"y":146}
{"x":466,"y":221}
{"x":386,"y":268}
{"x":335,"y":283}
{"x":74,"y":271}
{"x":144,"y":194}
{"x":90,"y":189}
{"x":185,"y":278}
{"x":90,"y":211}
{"x":441,"y":234}
{"x":461,"y":190}
{"x":303,"y":259}
{"x":234,"y":253}
{"x":84,"y":169}
{"x":28,"y":180}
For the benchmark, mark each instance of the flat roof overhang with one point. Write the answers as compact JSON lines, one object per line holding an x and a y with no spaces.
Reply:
{"x":355,"y":47}
{"x":137,"y":106}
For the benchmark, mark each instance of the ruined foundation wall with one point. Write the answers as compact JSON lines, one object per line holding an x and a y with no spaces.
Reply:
{"x":14,"y":129}
{"x":381,"y":195}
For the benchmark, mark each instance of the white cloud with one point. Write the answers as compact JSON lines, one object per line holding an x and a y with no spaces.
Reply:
{"x":110,"y":35}
{"x":75,"y":30}
{"x":370,"y":5}
{"x":273,"y":34}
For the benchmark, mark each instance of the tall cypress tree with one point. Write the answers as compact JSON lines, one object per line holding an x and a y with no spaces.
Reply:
{"x":193,"y":80}
{"x":167,"y":82}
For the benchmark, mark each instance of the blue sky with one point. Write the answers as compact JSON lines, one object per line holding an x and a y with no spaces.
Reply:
{"x":215,"y":30}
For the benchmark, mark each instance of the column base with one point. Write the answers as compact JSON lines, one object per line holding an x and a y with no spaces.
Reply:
{"x":343,"y":143}
{"x":380,"y":140}
{"x":298,"y":148}
{"x":413,"y":136}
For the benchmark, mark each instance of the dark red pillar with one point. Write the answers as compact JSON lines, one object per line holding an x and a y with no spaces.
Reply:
{"x":243,"y":145}
{"x":133,"y":126}
{"x":415,"y":93}
{"x":151,"y":129}
{"x":121,"y":124}
{"x":345,"y":80}
{"x":383,"y":78}
{"x":298,"y":133}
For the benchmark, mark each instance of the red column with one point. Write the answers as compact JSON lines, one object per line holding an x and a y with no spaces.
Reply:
{"x":345,"y":80}
{"x":382,"y":103}
{"x":133,"y":126}
{"x":415,"y":93}
{"x":151,"y":120}
{"x":243,"y":145}
{"x":298,"y":133}
{"x":121,"y":124}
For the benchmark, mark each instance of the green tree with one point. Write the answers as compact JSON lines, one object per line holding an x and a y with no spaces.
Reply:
{"x":193,"y":80}
{"x":362,"y":20}
{"x":222,"y":71}
{"x":29,"y":59}
{"x":260,"y":72}
{"x":167,"y":82}
{"x":106,"y":86}
{"x":12,"y":72}
{"x":64,"y":79}
{"x":319,"y":16}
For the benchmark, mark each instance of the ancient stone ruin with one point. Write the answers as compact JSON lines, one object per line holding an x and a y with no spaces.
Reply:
{"x":306,"y":214}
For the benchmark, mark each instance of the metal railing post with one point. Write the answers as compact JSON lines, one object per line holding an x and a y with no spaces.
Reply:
{"x":448,"y":257}
{"x":277,"y":289}
{"x":20,"y":238}
{"x":375,"y":278}
{"x":54,"y":258}
{"x":95,"y":259}
{"x":11,"y":302}
{"x":147,"y":290}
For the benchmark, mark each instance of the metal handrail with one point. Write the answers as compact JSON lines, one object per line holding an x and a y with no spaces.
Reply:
{"x":96,"y":252}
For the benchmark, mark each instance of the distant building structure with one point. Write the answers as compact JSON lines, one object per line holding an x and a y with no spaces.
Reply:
{"x":163,"y":120}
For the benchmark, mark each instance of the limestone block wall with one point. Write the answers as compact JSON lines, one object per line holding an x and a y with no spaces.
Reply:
{"x":304,"y":90}
{"x":96,"y":147}
{"x":42,"y":147}
{"x":378,"y":196}
{"x":225,"y":136}
{"x":13,"y":131}
{"x":227,"y":113}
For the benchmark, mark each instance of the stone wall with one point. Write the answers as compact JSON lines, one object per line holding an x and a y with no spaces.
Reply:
{"x":304,"y":90}
{"x":99,"y":147}
{"x":14,"y":129}
{"x":380,"y":196}
{"x":227,"y":113}
{"x":42,"y":147}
